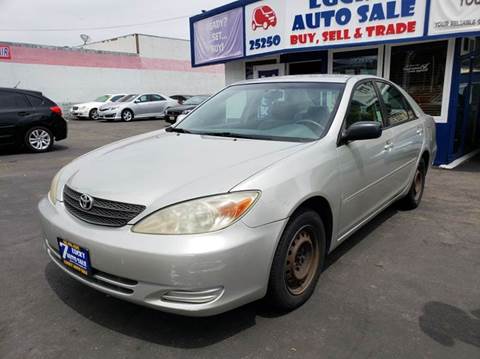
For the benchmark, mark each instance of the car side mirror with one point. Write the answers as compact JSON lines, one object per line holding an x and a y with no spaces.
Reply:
{"x":359,"y":131}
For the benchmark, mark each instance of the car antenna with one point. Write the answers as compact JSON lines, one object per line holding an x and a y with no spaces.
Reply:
{"x":18,"y":83}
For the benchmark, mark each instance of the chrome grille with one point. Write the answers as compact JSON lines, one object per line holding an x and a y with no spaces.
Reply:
{"x":104,"y":212}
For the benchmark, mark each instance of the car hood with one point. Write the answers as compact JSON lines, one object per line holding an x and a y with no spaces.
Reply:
{"x":181,"y":108}
{"x":90,"y":104}
{"x":163,"y":168}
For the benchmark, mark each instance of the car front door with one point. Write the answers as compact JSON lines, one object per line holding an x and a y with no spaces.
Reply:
{"x":364,"y":166}
{"x":141,"y":105}
{"x":407,"y":136}
{"x":13,"y":107}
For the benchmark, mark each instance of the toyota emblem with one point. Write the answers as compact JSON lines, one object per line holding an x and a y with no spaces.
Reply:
{"x":86,"y":202}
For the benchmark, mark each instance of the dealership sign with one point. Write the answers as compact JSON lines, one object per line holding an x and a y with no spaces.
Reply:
{"x":447,"y":17}
{"x":280,"y":24}
{"x":218,"y":37}
{"x":275,"y":26}
{"x":5,"y":52}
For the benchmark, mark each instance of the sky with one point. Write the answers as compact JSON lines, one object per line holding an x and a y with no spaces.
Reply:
{"x":23,"y":20}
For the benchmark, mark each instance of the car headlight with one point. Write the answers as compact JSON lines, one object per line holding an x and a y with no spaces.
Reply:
{"x":197,"y":216}
{"x":52,"y":194}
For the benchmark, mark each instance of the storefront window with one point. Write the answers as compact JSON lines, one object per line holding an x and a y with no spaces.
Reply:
{"x":364,"y":62}
{"x":420,"y":70}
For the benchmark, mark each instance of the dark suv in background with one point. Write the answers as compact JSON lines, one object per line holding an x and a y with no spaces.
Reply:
{"x":29,"y":119}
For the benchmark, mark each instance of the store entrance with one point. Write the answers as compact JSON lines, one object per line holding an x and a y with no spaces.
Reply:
{"x":467,"y":128}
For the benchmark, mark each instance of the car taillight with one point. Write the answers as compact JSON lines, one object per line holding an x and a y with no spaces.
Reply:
{"x":56,"y":109}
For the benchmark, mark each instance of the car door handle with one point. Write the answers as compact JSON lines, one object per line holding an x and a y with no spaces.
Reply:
{"x":419,"y":131}
{"x":23,"y":113}
{"x":388,"y":146}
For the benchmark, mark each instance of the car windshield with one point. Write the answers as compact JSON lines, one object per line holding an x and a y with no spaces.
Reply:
{"x":103,"y":98}
{"x":298,"y":112}
{"x":195,"y":100}
{"x":127,"y":98}
{"x":116,"y":98}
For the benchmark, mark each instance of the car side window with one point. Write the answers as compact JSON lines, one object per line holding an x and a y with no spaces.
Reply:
{"x":35,"y":101}
{"x":365,"y":105}
{"x":12,"y":100}
{"x":156,"y":98}
{"x":396,"y":106}
{"x":143,"y":98}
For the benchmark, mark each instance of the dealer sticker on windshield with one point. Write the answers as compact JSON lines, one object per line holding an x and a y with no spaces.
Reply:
{"x":75,"y":257}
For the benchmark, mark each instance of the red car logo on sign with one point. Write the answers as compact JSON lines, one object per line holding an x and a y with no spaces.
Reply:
{"x":264,"y":17}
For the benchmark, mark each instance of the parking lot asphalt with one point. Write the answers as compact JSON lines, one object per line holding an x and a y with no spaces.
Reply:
{"x":406,"y":286}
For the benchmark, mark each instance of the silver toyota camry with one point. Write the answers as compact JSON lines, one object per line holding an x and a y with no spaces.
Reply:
{"x":242,"y":199}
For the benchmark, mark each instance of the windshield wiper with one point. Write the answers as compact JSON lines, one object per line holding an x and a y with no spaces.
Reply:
{"x":225,"y":134}
{"x":176,"y":130}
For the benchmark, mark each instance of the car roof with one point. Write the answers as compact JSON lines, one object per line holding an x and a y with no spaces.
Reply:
{"x":27,"y":92}
{"x":309,"y":78}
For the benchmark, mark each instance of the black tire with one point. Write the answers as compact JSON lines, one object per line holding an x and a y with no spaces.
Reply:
{"x":282,"y":293}
{"x":93,"y":114}
{"x":414,"y":197}
{"x":127,"y":115}
{"x":44,"y":139}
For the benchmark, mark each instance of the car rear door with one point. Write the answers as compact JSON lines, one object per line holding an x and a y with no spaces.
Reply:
{"x":364,"y":167}
{"x":407,"y":135}
{"x":14,"y":107}
{"x":158,"y":104}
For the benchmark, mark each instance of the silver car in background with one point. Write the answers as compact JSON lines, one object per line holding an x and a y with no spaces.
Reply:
{"x":135,"y":106}
{"x":260,"y":183}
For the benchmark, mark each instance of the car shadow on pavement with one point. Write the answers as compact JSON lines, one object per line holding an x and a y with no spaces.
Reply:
{"x":144,"y":323}
{"x":174,"y":330}
{"x":447,"y":324}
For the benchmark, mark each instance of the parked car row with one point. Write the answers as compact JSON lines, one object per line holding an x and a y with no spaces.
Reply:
{"x":127,"y":107}
{"x":30,"y":120}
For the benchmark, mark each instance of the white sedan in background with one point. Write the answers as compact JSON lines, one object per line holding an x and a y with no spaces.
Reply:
{"x":136,"y":106}
{"x":90,"y":109}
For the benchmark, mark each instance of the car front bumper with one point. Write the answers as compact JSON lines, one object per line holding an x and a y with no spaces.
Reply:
{"x":109,"y":115}
{"x":195,"y":275}
{"x":79,"y":113}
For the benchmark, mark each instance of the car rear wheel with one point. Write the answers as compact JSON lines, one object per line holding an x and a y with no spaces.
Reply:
{"x":127,"y":115}
{"x":414,"y":197}
{"x":93,"y":114}
{"x":298,"y":261}
{"x":39,"y":139}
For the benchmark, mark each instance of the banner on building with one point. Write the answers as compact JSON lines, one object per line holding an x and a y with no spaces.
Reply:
{"x":5,"y":52}
{"x":273,"y":25}
{"x":454,"y":16}
{"x":219,"y":37}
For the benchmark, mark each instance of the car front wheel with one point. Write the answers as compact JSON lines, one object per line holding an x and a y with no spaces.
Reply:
{"x":127,"y":115}
{"x":93,"y":114}
{"x":39,"y":139}
{"x":298,"y":261}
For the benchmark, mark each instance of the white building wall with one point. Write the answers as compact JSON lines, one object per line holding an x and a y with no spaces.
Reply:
{"x":161,"y":47}
{"x":125,"y":44}
{"x":234,"y":71}
{"x":73,"y":75}
{"x":66,"y":84}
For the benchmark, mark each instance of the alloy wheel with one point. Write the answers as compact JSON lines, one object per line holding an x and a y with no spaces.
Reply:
{"x":39,"y":139}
